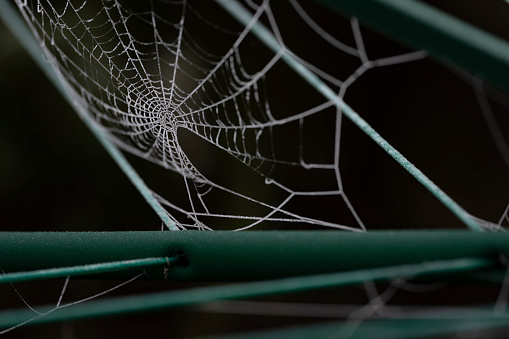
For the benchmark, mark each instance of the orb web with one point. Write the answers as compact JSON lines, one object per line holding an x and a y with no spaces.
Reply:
{"x":248,"y":144}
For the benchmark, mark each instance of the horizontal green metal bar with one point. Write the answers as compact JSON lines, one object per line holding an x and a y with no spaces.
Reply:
{"x":380,"y":329}
{"x":237,"y":256}
{"x":52,"y":273}
{"x":424,"y":27}
{"x":165,"y":300}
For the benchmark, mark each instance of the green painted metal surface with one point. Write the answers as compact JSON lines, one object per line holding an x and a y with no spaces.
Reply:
{"x":237,"y":256}
{"x":380,"y":329}
{"x":62,"y":272}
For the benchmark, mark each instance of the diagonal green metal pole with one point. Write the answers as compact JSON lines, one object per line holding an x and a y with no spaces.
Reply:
{"x":263,"y":34}
{"x":60,"y":272}
{"x":447,"y":38}
{"x":16,"y":25}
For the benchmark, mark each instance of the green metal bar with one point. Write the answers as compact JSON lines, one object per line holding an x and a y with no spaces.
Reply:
{"x":52,"y":273}
{"x":424,"y":27}
{"x":263,"y":34}
{"x":165,"y":300}
{"x":19,"y":29}
{"x":380,"y":329}
{"x":238,"y":256}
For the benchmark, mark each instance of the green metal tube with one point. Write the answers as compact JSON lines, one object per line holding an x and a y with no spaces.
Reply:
{"x":450,"y":39}
{"x":61,"y":272}
{"x":238,"y":256}
{"x":380,"y":329}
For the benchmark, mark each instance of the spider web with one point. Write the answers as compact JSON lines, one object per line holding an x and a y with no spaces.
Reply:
{"x":242,"y":140}
{"x":163,"y":90}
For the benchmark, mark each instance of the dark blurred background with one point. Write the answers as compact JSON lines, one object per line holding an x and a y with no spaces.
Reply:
{"x":54,"y":175}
